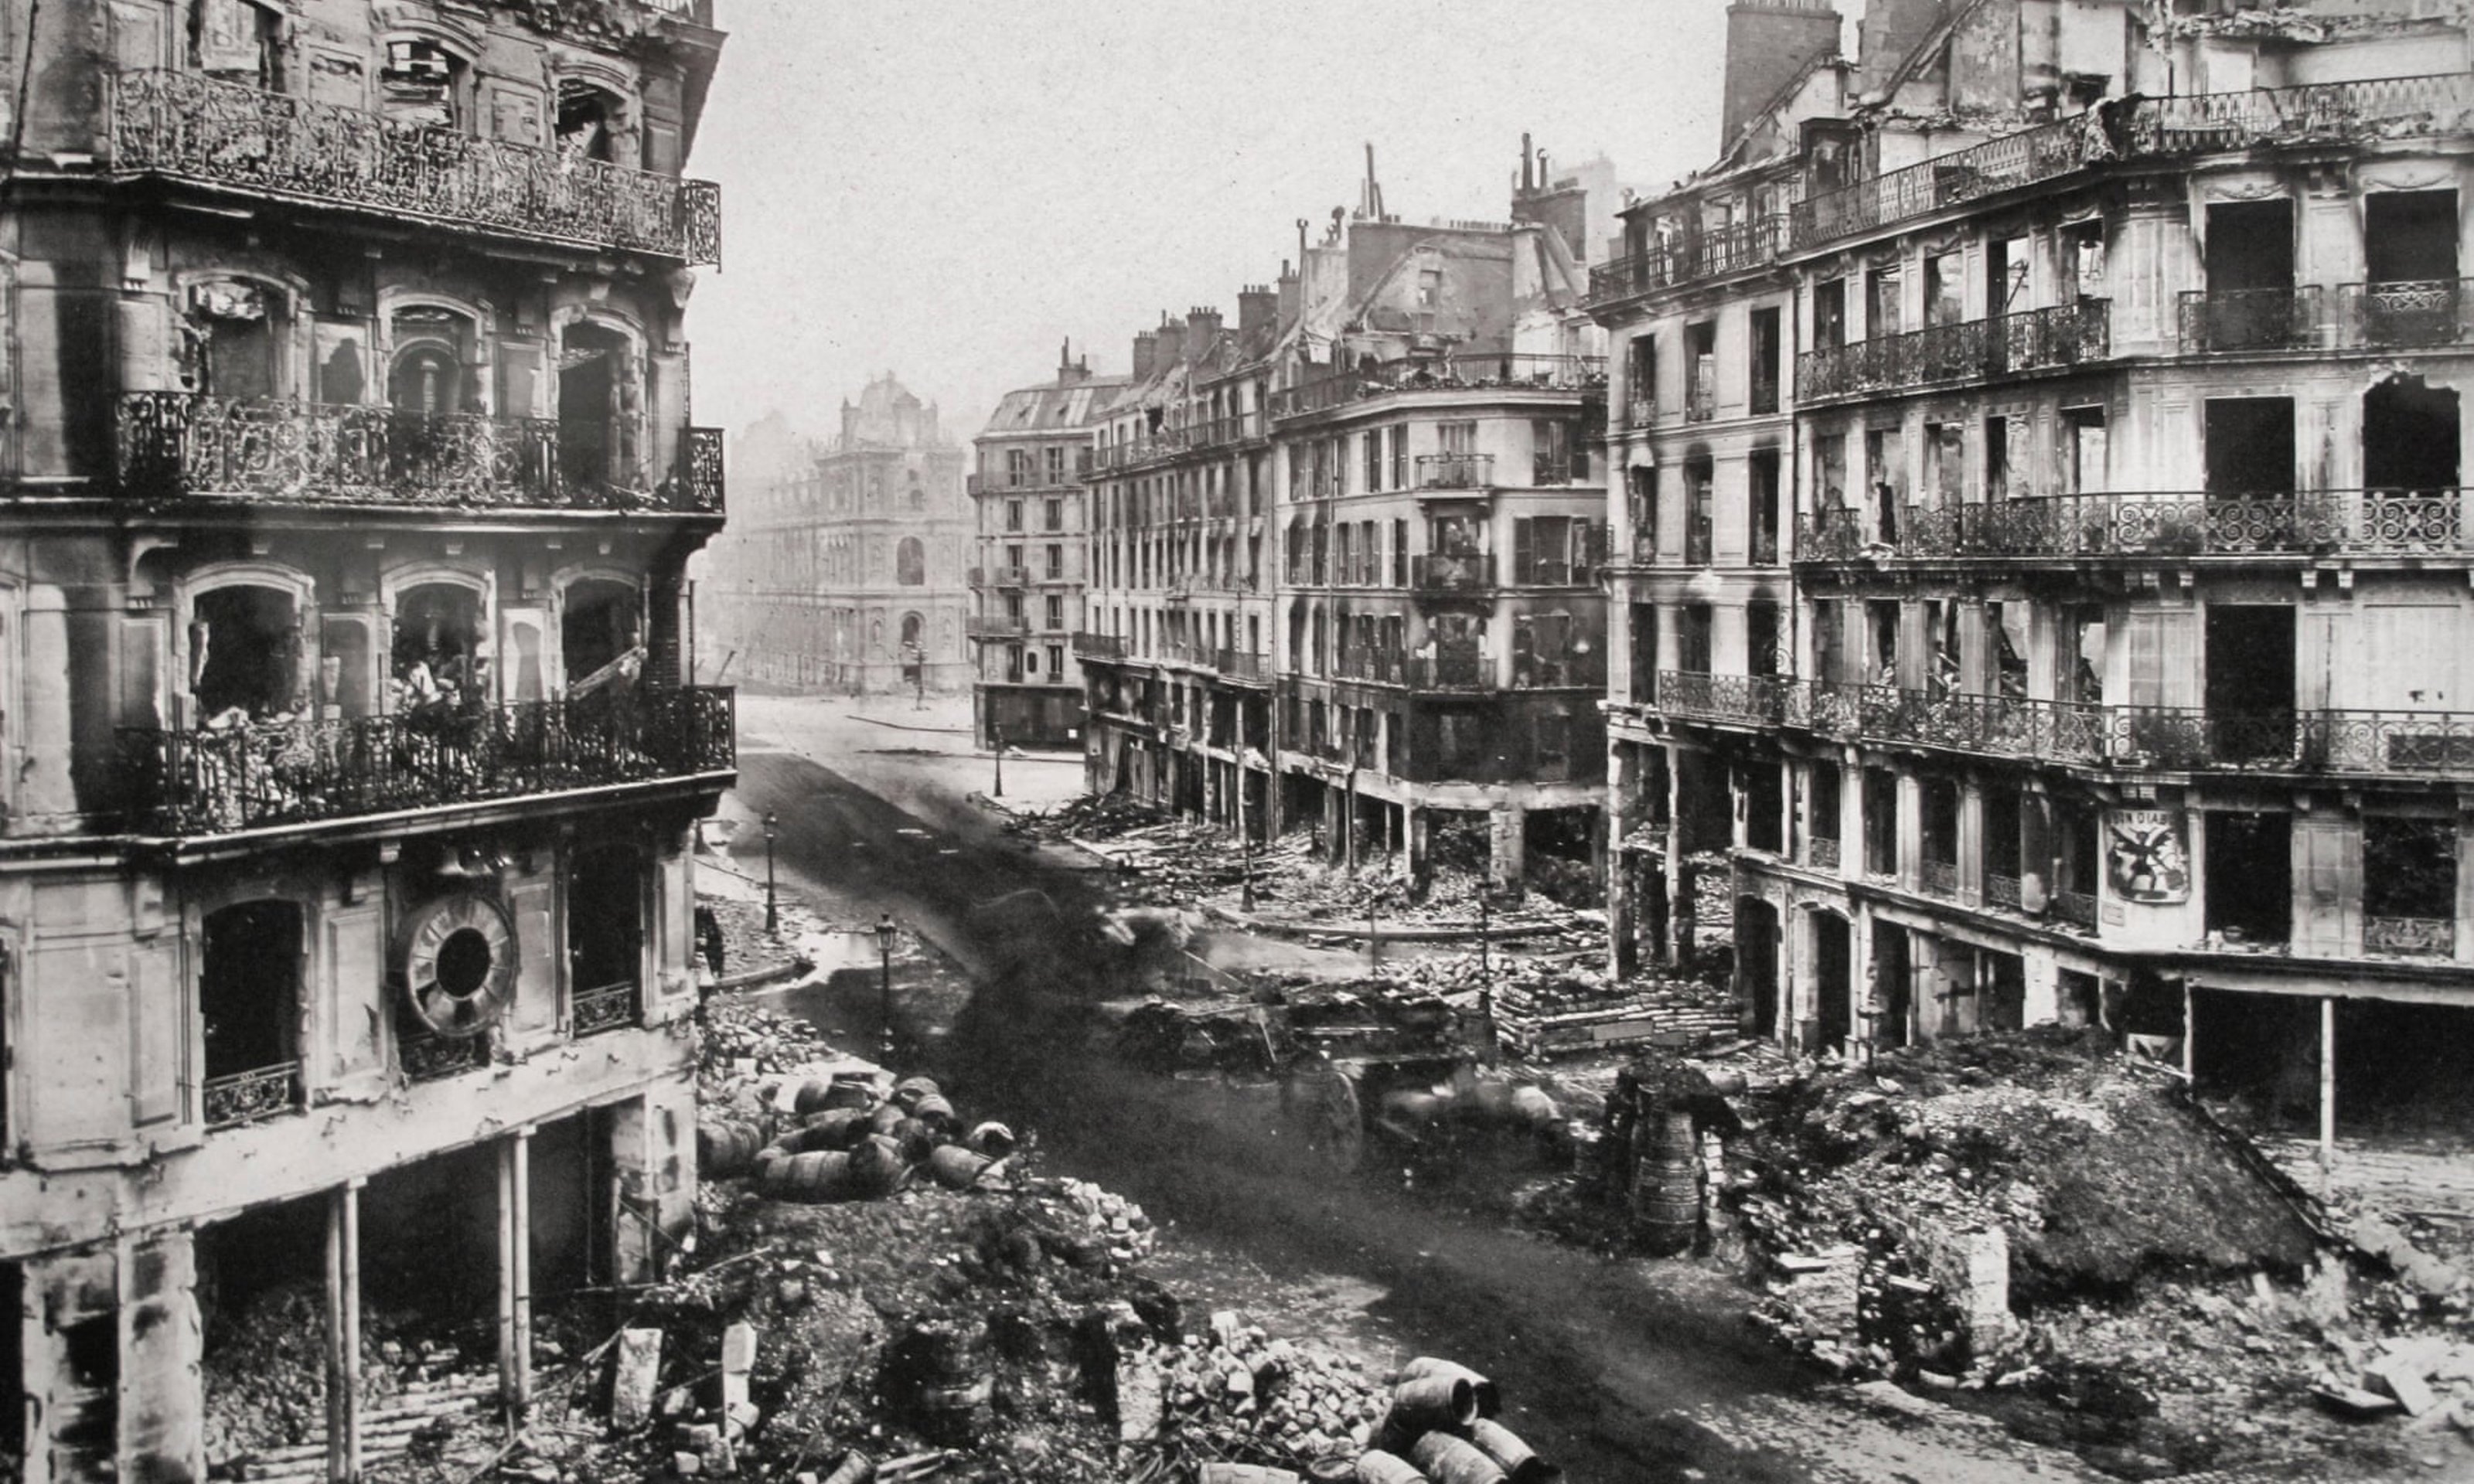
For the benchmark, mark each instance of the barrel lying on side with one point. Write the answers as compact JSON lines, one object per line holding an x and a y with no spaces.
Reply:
{"x":1448,"y":1460}
{"x":726,"y":1147}
{"x":1490,"y":1402}
{"x":1376,"y":1467}
{"x":1515,"y":1457}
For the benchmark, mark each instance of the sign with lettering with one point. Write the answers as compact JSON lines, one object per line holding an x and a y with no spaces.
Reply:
{"x":2145,"y":860}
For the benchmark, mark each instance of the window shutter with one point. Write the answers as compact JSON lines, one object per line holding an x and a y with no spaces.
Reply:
{"x":1523,"y":552}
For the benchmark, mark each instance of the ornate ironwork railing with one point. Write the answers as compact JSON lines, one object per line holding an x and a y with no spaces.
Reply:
{"x":1821,"y":853}
{"x":246,"y":1097}
{"x":2076,"y":908}
{"x":262,"y":774}
{"x":1375,"y":666}
{"x":1452,"y":670}
{"x":2374,"y":108}
{"x":1244,"y":666}
{"x":994,"y":626}
{"x":2411,"y":937}
{"x":2001,"y":889}
{"x":2037,"y":339}
{"x":1939,"y":877}
{"x":1472,"y":572}
{"x":2155,"y":524}
{"x":1690,"y":258}
{"x":190,"y":127}
{"x":2215,"y":321}
{"x":181,"y":445}
{"x":1464,"y":371}
{"x":428,"y":1058}
{"x":1099,"y":646}
{"x":2406,"y":316}
{"x":1745,"y":700}
{"x":613,"y":1007}
{"x":1455,"y":470}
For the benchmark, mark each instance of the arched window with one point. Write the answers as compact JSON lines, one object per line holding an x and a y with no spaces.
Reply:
{"x":244,"y":651}
{"x":914,"y":631}
{"x":917,"y":497}
{"x":431,"y":348}
{"x":911,"y":563}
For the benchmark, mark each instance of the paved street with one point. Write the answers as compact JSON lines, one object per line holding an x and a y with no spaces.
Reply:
{"x":1615,"y":1369}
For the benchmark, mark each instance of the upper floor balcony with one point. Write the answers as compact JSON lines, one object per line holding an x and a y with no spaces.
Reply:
{"x":1467,"y":572}
{"x":2156,"y":526}
{"x":1098,"y":646}
{"x":1451,"y":669}
{"x":2414,"y":314}
{"x":1167,"y":442}
{"x":1458,"y":371}
{"x":995,"y":626}
{"x":227,"y":137}
{"x":1454,"y":474}
{"x":1241,"y":667}
{"x":180,"y":445}
{"x":263,"y":775}
{"x":1969,"y":351}
{"x":1736,"y":248}
{"x":2132,"y":129}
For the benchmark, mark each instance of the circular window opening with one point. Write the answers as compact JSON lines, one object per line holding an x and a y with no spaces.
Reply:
{"x":464,"y":963}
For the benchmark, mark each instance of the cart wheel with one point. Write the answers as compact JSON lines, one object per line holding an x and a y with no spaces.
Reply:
{"x":1322,"y":1101}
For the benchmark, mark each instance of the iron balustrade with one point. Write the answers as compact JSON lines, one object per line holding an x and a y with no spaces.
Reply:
{"x":1465,"y":572}
{"x":1821,"y":853}
{"x":262,"y":774}
{"x":994,"y":626}
{"x":1010,"y":576}
{"x":1237,"y":664}
{"x":1167,"y":442}
{"x":612,"y":1007}
{"x":246,"y":1097}
{"x":1641,"y":412}
{"x":424,"y":1056}
{"x":1939,"y":877}
{"x":189,"y":127}
{"x":2369,"y":109}
{"x":1099,"y":646}
{"x":1689,"y":258}
{"x":2003,"y":890}
{"x":2406,"y":316}
{"x":2411,"y":937}
{"x":2076,"y":908}
{"x":2011,"y":345}
{"x":183,"y":445}
{"x":2155,"y":524}
{"x":1451,"y":670}
{"x":1744,"y":700}
{"x":1455,"y":470}
{"x":1461,"y":370}
{"x":1375,"y":666}
{"x":2218,"y":321}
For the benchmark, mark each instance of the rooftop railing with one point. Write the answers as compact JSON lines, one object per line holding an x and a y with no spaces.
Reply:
{"x":1973,"y":350}
{"x":1690,"y":258}
{"x":2161,"y":525}
{"x":1464,"y":371}
{"x":264,"y":774}
{"x":2129,"y":128}
{"x":180,"y":445}
{"x":186,"y":126}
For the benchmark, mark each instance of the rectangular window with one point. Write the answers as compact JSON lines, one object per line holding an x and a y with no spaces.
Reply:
{"x":1399,"y":554}
{"x":1055,"y":464}
{"x":2083,"y":450}
{"x":1945,"y":289}
{"x":1056,"y":661}
{"x":1551,"y":451}
{"x":1830,"y":314}
{"x":1055,"y":610}
{"x":1554,"y":746}
{"x":1373,"y":441}
{"x":1017,"y":465}
{"x":1767,"y":360}
{"x":1456,"y":437}
{"x":1700,"y":365}
{"x":1644,"y":654}
{"x":1397,"y":440}
{"x":1013,"y":515}
{"x":1055,"y":561}
{"x":1699,"y":475}
{"x":1882,"y":303}
{"x":1640,"y":367}
{"x":1054,"y":514}
{"x":1763,"y":468}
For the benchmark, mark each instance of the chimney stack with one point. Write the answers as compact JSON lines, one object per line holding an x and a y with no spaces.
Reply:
{"x":1290,"y":301}
{"x":1768,"y":43}
{"x":1146,"y":351}
{"x":1201,"y":329}
{"x":1257,"y":307}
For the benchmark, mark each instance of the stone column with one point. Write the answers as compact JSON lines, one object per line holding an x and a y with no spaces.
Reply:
{"x":344,"y":1333}
{"x":1507,"y":860}
{"x":516,"y":1274}
{"x":1623,"y":778}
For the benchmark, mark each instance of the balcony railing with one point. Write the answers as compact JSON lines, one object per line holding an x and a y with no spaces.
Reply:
{"x":2411,"y":937}
{"x":430,"y":1058}
{"x":1745,"y":700}
{"x":2038,"y":340}
{"x":1168,"y":443}
{"x":994,"y":626}
{"x":1559,"y":672}
{"x":2003,"y":890}
{"x":180,"y":445}
{"x":246,"y":1097}
{"x":1009,"y":576}
{"x":1451,"y":670}
{"x":610,"y":1008}
{"x":1473,"y":572}
{"x":1821,"y":853}
{"x":1455,"y":470}
{"x":264,"y":774}
{"x":188,"y":127}
{"x":2076,"y":908}
{"x":2407,"y":316}
{"x":1938,"y":877}
{"x":2215,"y":321}
{"x":1099,"y":646}
{"x":2167,"y":525}
{"x":1237,"y":664}
{"x":1467,"y":370}
{"x":1375,"y":666}
{"x":2371,"y":109}
{"x":1688,"y":259}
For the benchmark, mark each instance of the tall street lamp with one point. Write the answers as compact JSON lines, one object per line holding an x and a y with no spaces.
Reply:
{"x":998,"y":733}
{"x":772,"y":908}
{"x":885,"y":931}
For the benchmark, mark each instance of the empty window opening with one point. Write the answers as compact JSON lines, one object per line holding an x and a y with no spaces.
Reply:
{"x":438,"y":659}
{"x":1756,"y":962}
{"x":1821,"y":808}
{"x":2002,"y":812}
{"x":2410,"y":887}
{"x":2250,"y":247}
{"x":1764,"y":791}
{"x":2409,"y":236}
{"x":2410,"y":436}
{"x":596,"y":392}
{"x":1830,"y":314}
{"x":233,"y":335}
{"x":1767,"y":359}
{"x":2084,"y":448}
{"x":1762,"y":630}
{"x":1834,"y":999}
{"x":1940,"y":843}
{"x":1894,"y":974}
{"x":2250,"y":878}
{"x":2251,"y":446}
{"x":605,"y":935}
{"x":431,"y":348}
{"x":1882,"y":631}
{"x":600,"y":625}
{"x":1763,"y":469}
{"x":2250,"y":673}
{"x":1699,"y":477}
{"x":419,"y":83}
{"x":261,"y":1291}
{"x":244,"y":656}
{"x":249,"y":999}
{"x":1693,"y":638}
{"x":1701,"y":362}
{"x":1880,"y":823}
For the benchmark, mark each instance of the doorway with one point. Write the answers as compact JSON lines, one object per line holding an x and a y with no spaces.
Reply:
{"x":1757,"y":962}
{"x":2250,"y":690}
{"x":1893,"y":986}
{"x":2250,"y":878}
{"x":1834,"y":1006}
{"x":592,"y":425}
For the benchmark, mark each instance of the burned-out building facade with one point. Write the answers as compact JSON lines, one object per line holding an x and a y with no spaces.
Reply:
{"x":1028,"y":566}
{"x":344,"y":927}
{"x":2116,"y":676}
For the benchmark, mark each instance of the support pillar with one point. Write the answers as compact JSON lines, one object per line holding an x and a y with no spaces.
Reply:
{"x":516,"y":1274}
{"x":1507,"y":858}
{"x":344,"y":1333}
{"x":2327,"y":1091}
{"x":1623,"y":779}
{"x":2035,"y":852}
{"x":1415,"y":832}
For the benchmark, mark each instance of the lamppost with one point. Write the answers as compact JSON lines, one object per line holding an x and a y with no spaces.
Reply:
{"x":1486,"y":976}
{"x":772,"y":908}
{"x":885,"y":931}
{"x":1248,"y":900}
{"x":998,"y":734}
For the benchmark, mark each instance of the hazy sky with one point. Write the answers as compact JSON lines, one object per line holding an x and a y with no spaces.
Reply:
{"x":947,"y":189}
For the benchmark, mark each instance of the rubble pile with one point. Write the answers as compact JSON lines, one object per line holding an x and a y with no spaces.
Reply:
{"x":1233,"y":1393}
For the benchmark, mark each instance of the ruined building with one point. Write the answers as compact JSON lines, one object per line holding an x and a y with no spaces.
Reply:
{"x":844,"y":566}
{"x":2042,"y":554}
{"x":345,"y":929}
{"x":1028,"y":567}
{"x":1343,"y":554}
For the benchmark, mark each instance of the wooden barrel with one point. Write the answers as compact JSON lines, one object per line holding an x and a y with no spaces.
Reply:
{"x":1490,"y":1402}
{"x":956,"y":1168}
{"x":1448,"y":1460}
{"x":816,"y":1094}
{"x":993,"y":1140}
{"x":932,"y":1109}
{"x":1666,"y":1184}
{"x":726,"y":1147}
{"x":910,"y":1089}
{"x":918,"y":1139}
{"x":878,"y":1165}
{"x":1244,"y":1473}
{"x":1378,"y":1467}
{"x":887,"y":1117}
{"x":1515,"y":1457}
{"x":838,"y":1127}
{"x":1424,"y":1402}
{"x":810,"y":1178}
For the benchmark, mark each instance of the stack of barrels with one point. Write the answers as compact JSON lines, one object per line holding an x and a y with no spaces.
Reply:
{"x":842,"y":1143}
{"x":1441,"y":1429}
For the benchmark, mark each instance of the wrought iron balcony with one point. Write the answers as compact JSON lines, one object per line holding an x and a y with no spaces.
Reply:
{"x":2003,"y":889}
{"x":264,"y":774}
{"x":1974,"y":350}
{"x":1741,"y":699}
{"x":1099,"y":646}
{"x":2407,"y":316}
{"x":187,"y":126}
{"x":1461,"y":371}
{"x":1469,"y":572}
{"x":612,"y":1007}
{"x":1451,"y":670}
{"x":1375,"y":666}
{"x":433,"y":1058}
{"x":1242,"y":665}
{"x":2362,"y":111}
{"x":2157,"y":525}
{"x":1455,"y":471}
{"x":247,"y":1097}
{"x":1821,"y":853}
{"x":1690,"y":258}
{"x":1939,"y":878}
{"x":180,"y":445}
{"x":2411,"y":937}
{"x":2218,"y":321}
{"x":994,"y":626}
{"x":2076,"y":908}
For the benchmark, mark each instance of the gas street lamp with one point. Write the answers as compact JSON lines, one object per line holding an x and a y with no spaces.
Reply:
{"x":885,"y":931}
{"x":772,"y":908}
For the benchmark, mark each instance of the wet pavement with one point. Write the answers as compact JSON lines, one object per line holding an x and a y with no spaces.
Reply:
{"x":1619,"y":1372}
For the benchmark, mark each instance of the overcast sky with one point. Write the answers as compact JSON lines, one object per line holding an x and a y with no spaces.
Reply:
{"x":947,"y":189}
